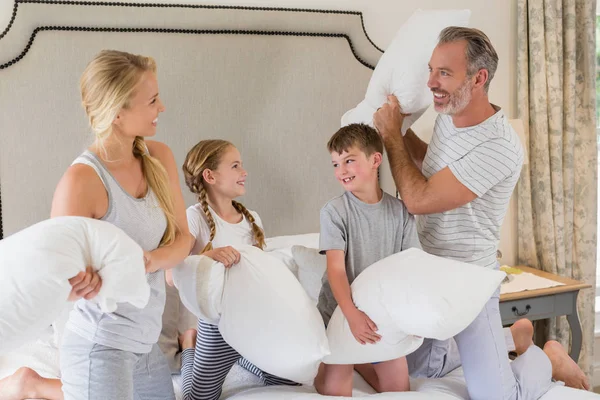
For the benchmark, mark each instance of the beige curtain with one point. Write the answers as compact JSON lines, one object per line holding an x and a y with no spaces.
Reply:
{"x":557,"y":192}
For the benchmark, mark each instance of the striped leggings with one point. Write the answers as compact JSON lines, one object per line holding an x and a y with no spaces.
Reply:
{"x":204,"y":369}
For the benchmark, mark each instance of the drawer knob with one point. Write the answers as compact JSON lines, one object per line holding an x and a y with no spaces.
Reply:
{"x":518,"y":313}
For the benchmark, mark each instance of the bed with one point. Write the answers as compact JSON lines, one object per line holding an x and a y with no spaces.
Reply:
{"x":273,"y":81}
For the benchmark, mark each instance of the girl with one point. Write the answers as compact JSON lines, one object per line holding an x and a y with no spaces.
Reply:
{"x":133,"y":184}
{"x":213,"y":171}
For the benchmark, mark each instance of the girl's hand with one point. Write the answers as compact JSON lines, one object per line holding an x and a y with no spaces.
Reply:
{"x":363,"y":328}
{"x":228,"y":256}
{"x":85,"y":284}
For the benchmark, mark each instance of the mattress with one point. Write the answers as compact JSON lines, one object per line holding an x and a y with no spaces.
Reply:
{"x":42,"y":356}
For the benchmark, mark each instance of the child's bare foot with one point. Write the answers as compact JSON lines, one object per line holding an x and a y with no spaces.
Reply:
{"x":187,"y":340}
{"x":522,"y":333}
{"x":19,"y":385}
{"x":564,"y":368}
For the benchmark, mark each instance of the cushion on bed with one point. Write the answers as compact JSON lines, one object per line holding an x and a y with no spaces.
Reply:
{"x":281,"y":247}
{"x":403,"y":69}
{"x":311,"y":267}
{"x":270,"y":320}
{"x":37,"y":262}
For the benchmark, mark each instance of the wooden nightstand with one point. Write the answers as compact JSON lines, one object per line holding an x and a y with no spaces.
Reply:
{"x":546,"y":303}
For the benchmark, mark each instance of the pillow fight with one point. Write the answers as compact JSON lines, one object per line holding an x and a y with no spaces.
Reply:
{"x":119,"y":233}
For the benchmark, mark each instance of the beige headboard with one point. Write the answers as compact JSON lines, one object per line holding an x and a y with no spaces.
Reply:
{"x":275,"y":82}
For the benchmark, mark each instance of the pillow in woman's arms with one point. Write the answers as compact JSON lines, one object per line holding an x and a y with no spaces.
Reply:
{"x":37,"y":263}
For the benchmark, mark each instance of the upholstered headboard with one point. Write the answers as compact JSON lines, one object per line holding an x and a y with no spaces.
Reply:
{"x":273,"y":81}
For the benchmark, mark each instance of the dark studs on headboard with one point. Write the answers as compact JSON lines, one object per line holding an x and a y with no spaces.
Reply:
{"x":189,"y":31}
{"x":12,"y":20}
{"x":204,"y":6}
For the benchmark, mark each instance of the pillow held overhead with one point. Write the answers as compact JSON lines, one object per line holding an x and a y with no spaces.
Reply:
{"x":403,"y":69}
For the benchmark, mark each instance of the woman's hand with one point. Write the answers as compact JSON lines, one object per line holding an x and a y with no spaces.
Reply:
{"x":150,"y":267}
{"x":227,"y":256}
{"x":85,"y":284}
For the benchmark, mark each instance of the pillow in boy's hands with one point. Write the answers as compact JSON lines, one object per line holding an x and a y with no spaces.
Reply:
{"x":403,"y":69}
{"x":270,"y":320}
{"x":345,"y":349}
{"x":37,"y":263}
{"x":424,"y":295}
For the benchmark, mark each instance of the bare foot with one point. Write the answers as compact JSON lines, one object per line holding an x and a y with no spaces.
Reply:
{"x":564,"y":368}
{"x":187,"y":340}
{"x":522,"y":333}
{"x":19,"y":385}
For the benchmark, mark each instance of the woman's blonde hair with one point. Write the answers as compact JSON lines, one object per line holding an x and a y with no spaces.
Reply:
{"x":207,"y":154}
{"x":107,"y":85}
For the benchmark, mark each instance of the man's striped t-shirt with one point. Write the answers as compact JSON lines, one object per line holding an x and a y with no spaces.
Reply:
{"x":486,"y":158}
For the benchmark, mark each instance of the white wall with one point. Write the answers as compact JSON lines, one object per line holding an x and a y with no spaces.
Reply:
{"x":382,"y":18}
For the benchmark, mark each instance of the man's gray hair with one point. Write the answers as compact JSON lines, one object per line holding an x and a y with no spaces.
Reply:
{"x":480,"y":52}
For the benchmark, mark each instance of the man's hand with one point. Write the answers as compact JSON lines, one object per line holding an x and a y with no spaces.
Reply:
{"x":363,"y":329}
{"x":388,"y":118}
{"x":85,"y":284}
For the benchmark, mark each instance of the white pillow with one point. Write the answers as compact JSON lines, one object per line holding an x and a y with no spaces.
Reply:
{"x":403,"y":69}
{"x":200,"y":281}
{"x":419,"y":294}
{"x":36,"y":264}
{"x":346,"y":350}
{"x":270,"y":320}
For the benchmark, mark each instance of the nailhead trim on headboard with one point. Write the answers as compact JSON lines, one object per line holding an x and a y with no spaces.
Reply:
{"x":186,"y":31}
{"x":113,"y":4}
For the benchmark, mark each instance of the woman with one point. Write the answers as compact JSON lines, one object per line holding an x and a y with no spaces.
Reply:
{"x":132,"y":183}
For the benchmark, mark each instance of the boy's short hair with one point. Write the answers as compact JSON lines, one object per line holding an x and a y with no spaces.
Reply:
{"x":360,"y":135}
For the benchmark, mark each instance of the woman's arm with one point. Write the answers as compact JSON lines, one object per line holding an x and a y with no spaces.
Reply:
{"x":167,"y":257}
{"x":80,"y":193}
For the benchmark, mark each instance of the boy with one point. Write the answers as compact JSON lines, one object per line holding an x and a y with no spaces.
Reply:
{"x":359,"y":228}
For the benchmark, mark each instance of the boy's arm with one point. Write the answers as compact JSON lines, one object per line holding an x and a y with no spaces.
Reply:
{"x":361,"y":326}
{"x":338,"y":280}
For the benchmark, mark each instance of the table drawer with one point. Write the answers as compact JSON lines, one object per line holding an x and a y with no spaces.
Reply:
{"x":533,"y":308}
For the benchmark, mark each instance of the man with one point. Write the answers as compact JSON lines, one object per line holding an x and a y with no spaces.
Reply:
{"x":460,"y":184}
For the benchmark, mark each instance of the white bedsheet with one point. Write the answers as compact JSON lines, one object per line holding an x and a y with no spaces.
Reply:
{"x":43,"y":357}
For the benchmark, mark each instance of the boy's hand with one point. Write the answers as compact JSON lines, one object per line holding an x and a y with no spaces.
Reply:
{"x":85,"y":284}
{"x":227,"y":256}
{"x":363,"y":329}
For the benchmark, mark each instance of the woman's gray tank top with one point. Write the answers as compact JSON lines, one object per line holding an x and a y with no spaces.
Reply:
{"x":128,"y":328}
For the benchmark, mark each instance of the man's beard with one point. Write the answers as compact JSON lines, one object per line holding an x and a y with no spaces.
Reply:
{"x":459,"y":99}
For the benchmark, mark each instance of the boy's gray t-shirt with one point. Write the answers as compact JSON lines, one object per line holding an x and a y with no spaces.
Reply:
{"x":366,"y":233}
